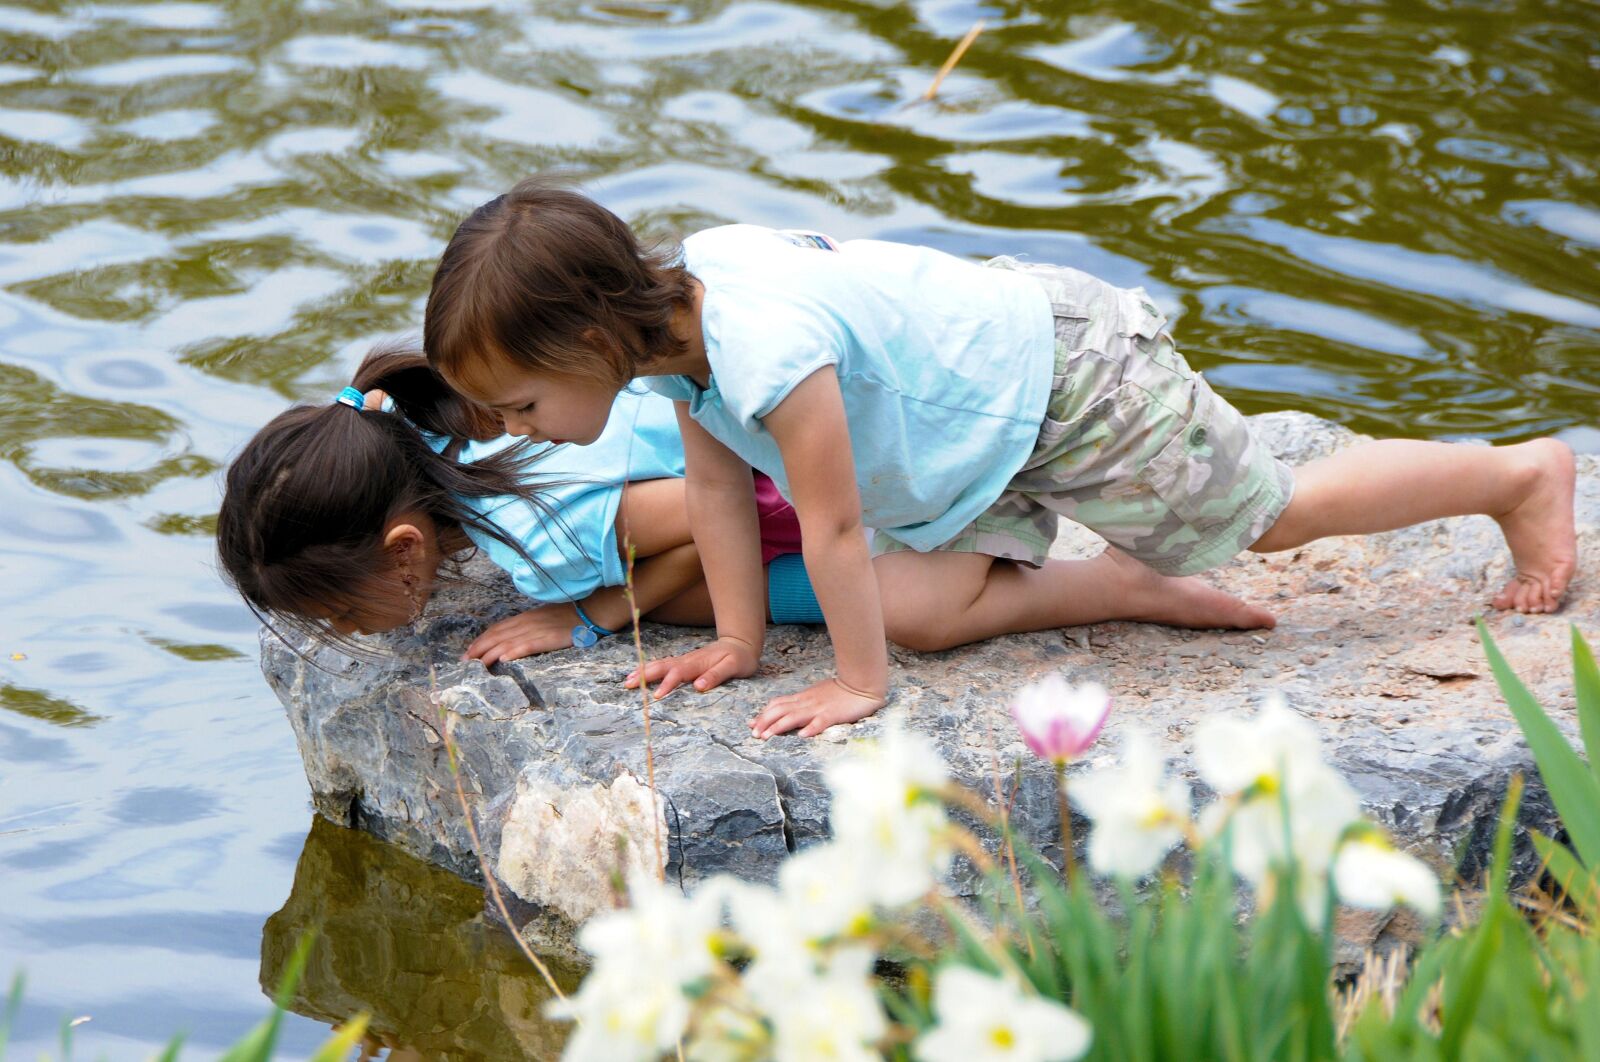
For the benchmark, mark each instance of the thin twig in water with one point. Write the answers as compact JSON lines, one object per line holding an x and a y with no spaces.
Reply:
{"x":955,"y":57}
{"x":477,"y":844}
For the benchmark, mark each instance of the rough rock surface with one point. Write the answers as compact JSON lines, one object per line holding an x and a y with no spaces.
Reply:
{"x":1374,"y":644}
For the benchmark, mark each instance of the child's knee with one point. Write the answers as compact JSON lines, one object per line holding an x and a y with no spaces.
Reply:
{"x":1293,"y":527}
{"x":920,"y":630}
{"x":921,"y":636}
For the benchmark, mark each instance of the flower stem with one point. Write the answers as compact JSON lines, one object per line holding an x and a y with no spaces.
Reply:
{"x":1068,"y":867}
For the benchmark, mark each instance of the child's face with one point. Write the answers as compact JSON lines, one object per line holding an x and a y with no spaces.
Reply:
{"x":543,"y":406}
{"x":381,"y":603}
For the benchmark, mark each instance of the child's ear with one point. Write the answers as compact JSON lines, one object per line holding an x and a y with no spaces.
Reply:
{"x":404,"y":544}
{"x":607,"y":344}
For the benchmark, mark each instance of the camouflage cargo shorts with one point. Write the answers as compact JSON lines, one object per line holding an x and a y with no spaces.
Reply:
{"x":1135,"y":445}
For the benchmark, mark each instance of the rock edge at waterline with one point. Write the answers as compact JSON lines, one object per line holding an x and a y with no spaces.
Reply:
{"x":1374,"y":644}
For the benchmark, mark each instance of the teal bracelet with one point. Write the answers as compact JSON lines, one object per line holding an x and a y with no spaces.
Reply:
{"x":587,"y":632}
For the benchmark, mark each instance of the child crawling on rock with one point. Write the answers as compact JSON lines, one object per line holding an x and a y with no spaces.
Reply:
{"x":339,"y":517}
{"x":958,"y":409}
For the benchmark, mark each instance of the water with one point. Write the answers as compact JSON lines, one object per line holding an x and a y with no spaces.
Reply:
{"x":1387,"y":214}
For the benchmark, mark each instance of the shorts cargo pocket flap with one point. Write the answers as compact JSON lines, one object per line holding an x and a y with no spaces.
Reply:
{"x":1179,"y":474}
{"x":1138,"y":314}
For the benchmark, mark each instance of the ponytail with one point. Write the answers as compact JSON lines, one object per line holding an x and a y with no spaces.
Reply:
{"x":306,"y":501}
{"x":421,"y":395}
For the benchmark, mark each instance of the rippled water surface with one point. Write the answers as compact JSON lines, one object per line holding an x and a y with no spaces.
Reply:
{"x":1385,"y":213}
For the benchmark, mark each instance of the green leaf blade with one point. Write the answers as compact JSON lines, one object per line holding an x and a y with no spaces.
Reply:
{"x":1586,"y":685}
{"x":1573,"y":788}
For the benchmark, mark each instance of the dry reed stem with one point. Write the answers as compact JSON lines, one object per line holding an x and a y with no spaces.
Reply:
{"x":1005,"y":826}
{"x":647,"y":698}
{"x":477,"y":843}
{"x":1381,"y":978}
{"x":955,"y":57}
{"x":969,"y":846}
{"x":1548,"y":909}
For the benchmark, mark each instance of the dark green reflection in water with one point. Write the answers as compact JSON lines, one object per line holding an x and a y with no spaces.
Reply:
{"x":37,"y":704}
{"x":1382,"y":213}
{"x":407,"y":943}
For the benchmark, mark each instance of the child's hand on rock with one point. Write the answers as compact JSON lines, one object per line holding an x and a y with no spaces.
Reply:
{"x":707,"y":667}
{"x":815,"y":709}
{"x":539,"y":630}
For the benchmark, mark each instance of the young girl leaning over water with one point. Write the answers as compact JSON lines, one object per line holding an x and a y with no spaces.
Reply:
{"x":958,"y":409}
{"x":338,"y":518}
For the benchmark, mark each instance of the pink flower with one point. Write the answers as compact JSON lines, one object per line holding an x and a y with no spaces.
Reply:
{"x":1060,"y":721}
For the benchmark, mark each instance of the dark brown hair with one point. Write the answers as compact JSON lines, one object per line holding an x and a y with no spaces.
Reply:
{"x":306,"y":501}
{"x":554,"y":282}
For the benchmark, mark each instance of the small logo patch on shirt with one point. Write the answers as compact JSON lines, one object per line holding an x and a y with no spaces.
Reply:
{"x":806,"y":238}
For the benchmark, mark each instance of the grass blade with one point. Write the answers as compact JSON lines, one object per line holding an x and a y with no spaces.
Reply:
{"x":1573,"y":788}
{"x":258,"y":1044}
{"x":1580,"y":886}
{"x":13,"y":1008}
{"x":1586,"y":684}
{"x":1485,"y":939}
{"x":338,"y":1048}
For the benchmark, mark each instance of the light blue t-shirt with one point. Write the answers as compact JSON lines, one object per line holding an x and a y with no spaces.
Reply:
{"x":944,"y":365}
{"x":572,"y":535}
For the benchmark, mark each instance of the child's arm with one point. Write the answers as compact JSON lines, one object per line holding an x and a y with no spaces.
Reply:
{"x":810,"y":429}
{"x":656,"y":580}
{"x":722,"y":512}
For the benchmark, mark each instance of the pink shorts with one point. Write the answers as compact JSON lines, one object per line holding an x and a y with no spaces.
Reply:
{"x":780,"y":525}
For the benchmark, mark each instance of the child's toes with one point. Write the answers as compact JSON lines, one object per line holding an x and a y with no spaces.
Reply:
{"x":1507,"y":597}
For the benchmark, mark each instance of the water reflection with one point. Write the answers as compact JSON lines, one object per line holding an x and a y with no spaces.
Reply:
{"x":407,"y":943}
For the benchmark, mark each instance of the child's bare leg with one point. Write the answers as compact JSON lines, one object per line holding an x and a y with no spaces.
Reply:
{"x":1394,"y":483}
{"x":940,"y":600}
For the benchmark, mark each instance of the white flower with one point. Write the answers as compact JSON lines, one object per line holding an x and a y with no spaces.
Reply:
{"x":980,"y":1018}
{"x":1137,"y":813}
{"x":1272,"y":766}
{"x":723,"y":1033}
{"x":764,"y":922}
{"x":1369,"y":872}
{"x":887,"y":817}
{"x":786,"y":956}
{"x":898,"y":766}
{"x":1320,"y":807}
{"x":1233,"y":754}
{"x":826,"y":891}
{"x":822,"y":893}
{"x":1058,"y":720}
{"x":622,"y":1018}
{"x":821,"y":896}
{"x":675,"y":936}
{"x":832,"y":1016}
{"x":633,"y":1004}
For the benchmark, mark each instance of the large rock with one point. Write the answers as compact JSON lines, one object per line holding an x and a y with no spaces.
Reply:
{"x":1374,"y":644}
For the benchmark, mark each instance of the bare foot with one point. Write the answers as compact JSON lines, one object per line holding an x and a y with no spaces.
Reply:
{"x":1539,"y":529}
{"x":1189,"y":602}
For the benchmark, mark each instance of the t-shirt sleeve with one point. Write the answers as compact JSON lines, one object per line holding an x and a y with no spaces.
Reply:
{"x":769,"y":317}
{"x":769,"y":346}
{"x":677,"y":388}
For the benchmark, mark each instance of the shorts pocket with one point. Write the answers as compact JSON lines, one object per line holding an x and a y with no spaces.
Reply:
{"x":1137,"y":315}
{"x":1194,"y":474}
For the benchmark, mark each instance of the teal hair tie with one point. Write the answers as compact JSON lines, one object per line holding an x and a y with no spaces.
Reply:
{"x":352,"y":398}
